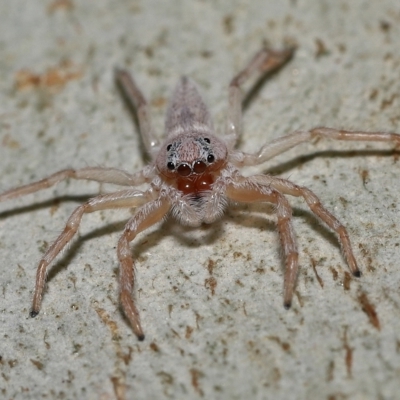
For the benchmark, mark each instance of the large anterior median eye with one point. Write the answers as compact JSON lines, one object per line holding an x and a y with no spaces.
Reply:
{"x":199,"y":167}
{"x":184,"y":170}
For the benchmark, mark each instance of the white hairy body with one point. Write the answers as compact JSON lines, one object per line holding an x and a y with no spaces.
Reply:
{"x":193,"y":176}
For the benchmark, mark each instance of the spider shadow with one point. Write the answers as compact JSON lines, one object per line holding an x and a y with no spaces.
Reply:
{"x":46,"y":204}
{"x":267,"y":222}
{"x":252,"y":93}
{"x":255,"y":89}
{"x":285,"y":167}
{"x":249,"y":97}
{"x":189,"y":237}
{"x":73,"y":249}
{"x":135,"y":119}
{"x":141,"y":246}
{"x":242,"y":215}
{"x":144,"y":244}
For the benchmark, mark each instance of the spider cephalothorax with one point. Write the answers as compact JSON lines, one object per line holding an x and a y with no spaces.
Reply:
{"x":191,"y":162}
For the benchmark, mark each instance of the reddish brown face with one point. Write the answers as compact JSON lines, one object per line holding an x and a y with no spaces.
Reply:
{"x":192,"y":161}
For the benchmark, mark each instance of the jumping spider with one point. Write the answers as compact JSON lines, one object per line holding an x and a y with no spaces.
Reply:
{"x":194,"y":175}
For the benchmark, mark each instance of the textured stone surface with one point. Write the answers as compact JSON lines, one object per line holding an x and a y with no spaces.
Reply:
{"x":59,"y":108}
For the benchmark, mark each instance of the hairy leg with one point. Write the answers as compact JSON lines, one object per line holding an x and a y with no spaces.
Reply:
{"x":122,"y":199}
{"x":266,"y":60}
{"x":285,"y":143}
{"x":136,"y":99}
{"x":248,"y":191}
{"x":287,"y":187}
{"x":146,"y":216}
{"x":98,"y":174}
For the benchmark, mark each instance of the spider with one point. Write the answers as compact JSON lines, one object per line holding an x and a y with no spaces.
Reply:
{"x":193,"y":176}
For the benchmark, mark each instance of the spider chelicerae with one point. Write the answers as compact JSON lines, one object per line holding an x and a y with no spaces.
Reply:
{"x":193,"y":176}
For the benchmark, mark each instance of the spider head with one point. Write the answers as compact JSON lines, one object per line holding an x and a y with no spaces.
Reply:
{"x":192,"y":160}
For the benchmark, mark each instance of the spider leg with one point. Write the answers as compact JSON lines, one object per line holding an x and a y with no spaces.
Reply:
{"x":285,"y":143}
{"x":246,"y":190}
{"x":146,"y":216}
{"x":98,"y":174}
{"x":121,"y":199}
{"x":266,"y":60}
{"x":137,"y":101}
{"x":319,"y":210}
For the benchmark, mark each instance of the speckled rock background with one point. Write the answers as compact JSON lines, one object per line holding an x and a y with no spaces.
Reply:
{"x":210,"y":299}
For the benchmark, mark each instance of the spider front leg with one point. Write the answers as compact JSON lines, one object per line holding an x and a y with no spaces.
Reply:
{"x":145,"y":217}
{"x":137,"y":101}
{"x":265,"y":61}
{"x":245,"y":190}
{"x":285,"y":143}
{"x":98,"y":174}
{"x":121,"y":199}
{"x":319,"y":210}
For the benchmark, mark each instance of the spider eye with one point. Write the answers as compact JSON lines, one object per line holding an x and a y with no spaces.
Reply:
{"x":171,"y":165}
{"x":169,"y":147}
{"x":210,"y":158}
{"x":199,"y":167}
{"x":206,"y":139}
{"x":184,"y":170}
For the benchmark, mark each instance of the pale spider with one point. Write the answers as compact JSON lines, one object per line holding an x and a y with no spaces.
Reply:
{"x":194,"y":175}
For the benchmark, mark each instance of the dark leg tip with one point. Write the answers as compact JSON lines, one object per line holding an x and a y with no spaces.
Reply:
{"x":33,"y":313}
{"x":141,"y":338}
{"x":357,"y":273}
{"x":287,"y":305}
